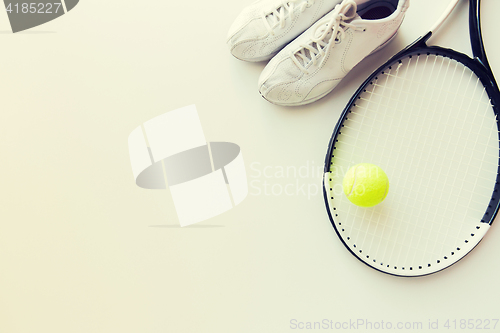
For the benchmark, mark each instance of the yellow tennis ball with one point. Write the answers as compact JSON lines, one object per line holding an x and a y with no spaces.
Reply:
{"x":365,"y":185}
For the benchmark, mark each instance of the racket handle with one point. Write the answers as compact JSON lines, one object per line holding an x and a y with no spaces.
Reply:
{"x":444,"y":16}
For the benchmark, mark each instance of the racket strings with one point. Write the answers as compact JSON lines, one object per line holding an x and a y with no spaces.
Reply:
{"x":410,"y":228}
{"x":479,"y":199}
{"x":433,"y":101}
{"x":407,"y":226}
{"x":429,"y":115}
{"x":451,"y":144}
{"x":426,"y":85}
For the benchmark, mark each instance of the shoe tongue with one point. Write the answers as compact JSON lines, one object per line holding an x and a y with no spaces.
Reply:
{"x":348,"y":9}
{"x":271,"y":19}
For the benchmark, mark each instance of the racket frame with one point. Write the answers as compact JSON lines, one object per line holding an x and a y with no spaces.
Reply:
{"x":479,"y":65}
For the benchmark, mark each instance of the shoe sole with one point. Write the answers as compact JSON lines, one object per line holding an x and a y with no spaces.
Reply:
{"x":312,"y":100}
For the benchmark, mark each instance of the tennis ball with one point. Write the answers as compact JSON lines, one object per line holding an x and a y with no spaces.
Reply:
{"x":365,"y":185}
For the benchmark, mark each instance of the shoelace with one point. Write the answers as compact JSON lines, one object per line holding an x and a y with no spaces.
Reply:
{"x":278,"y":15}
{"x":326,"y":35}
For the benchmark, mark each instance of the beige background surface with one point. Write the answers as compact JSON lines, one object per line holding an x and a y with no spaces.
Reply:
{"x":82,"y":249}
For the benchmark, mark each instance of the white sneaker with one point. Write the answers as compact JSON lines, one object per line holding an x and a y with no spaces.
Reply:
{"x":312,"y":65}
{"x":266,"y":26}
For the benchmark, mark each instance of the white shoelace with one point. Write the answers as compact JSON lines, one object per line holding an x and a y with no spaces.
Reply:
{"x":330,"y":32}
{"x":278,"y":15}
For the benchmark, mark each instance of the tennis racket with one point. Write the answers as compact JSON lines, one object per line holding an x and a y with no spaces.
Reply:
{"x":428,"y":118}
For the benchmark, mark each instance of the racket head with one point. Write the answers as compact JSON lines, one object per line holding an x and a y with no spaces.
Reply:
{"x":434,"y":131}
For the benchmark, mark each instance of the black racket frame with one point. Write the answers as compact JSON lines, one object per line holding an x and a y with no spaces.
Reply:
{"x":479,"y":65}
